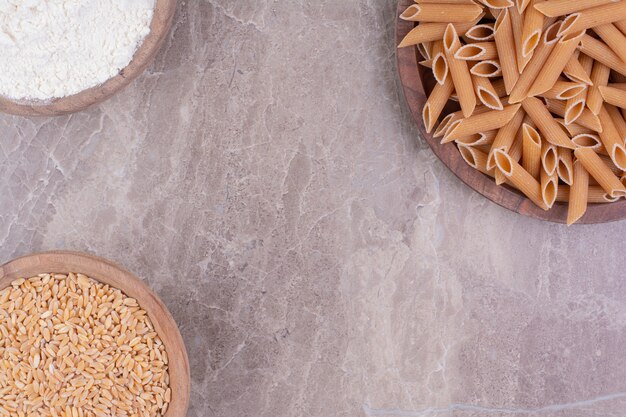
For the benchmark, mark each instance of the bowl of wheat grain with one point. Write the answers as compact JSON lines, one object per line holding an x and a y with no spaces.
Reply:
{"x":82,"y":337}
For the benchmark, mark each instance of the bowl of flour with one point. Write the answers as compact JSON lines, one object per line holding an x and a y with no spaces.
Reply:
{"x":61,"y":56}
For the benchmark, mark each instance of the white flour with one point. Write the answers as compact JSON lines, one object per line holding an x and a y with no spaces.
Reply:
{"x":56,"y":48}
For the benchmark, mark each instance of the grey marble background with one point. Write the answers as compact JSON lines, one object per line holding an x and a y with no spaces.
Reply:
{"x":265,"y":178}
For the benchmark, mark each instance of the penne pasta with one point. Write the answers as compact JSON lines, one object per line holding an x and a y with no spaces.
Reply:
{"x":586,"y":119}
{"x":601,"y":172}
{"x":506,"y":136}
{"x":439,"y":13}
{"x":479,"y":51}
{"x":549,"y":157}
{"x":614,"y":39}
{"x":435,"y":103}
{"x":559,"y":57}
{"x":564,"y":90}
{"x":515,"y":153}
{"x":459,"y":72}
{"x":576,"y":71}
{"x":486,"y":69}
{"x":428,"y":32}
{"x":486,"y":93}
{"x":555,"y":8}
{"x":593,"y":17}
{"x":531,"y":150}
{"x":599,"y":51}
{"x":490,"y":120}
{"x":478,"y":139}
{"x":533,"y":25}
{"x":613,"y":96}
{"x":443,"y":126}
{"x":587,"y":140}
{"x":599,"y":77}
{"x":440,"y":63}
{"x":480,"y":33}
{"x":519,"y":177}
{"x":549,"y":188}
{"x":538,"y":61}
{"x":476,"y":159}
{"x":565,"y":165}
{"x":578,"y":194}
{"x":574,"y":108}
{"x":611,"y":139}
{"x":505,"y":44}
{"x":618,"y":120}
{"x":596,"y":195}
{"x":517,"y":25}
{"x":549,"y":128}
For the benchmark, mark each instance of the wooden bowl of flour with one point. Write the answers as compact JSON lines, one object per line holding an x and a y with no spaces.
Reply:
{"x":159,"y":28}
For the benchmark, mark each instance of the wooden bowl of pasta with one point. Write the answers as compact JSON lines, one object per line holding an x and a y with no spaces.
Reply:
{"x":417,"y":75}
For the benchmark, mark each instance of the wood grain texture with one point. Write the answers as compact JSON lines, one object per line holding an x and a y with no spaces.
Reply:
{"x":417,"y":83}
{"x":109,"y":273}
{"x":159,"y":28}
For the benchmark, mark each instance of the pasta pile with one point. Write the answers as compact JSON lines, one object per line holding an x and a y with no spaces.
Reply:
{"x":541,"y":86}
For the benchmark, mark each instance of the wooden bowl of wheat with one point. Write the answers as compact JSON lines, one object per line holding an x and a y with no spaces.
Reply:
{"x":83,"y":337}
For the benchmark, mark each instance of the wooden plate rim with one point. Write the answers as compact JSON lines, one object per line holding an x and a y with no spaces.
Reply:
{"x":159,"y":28}
{"x":108,"y":272}
{"x":415,"y":97}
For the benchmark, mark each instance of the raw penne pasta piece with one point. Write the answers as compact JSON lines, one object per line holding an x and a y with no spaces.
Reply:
{"x":478,"y":51}
{"x":617,"y":119}
{"x":574,"y":108}
{"x":476,"y":159}
{"x":497,"y":4}
{"x":533,"y":25}
{"x":587,"y":140}
{"x":517,"y":24}
{"x":601,"y":172}
{"x":555,"y":8}
{"x":576,"y":71}
{"x":439,"y":13}
{"x":435,"y":103}
{"x":480,"y":33}
{"x":440,"y":63}
{"x":611,"y":139}
{"x":599,"y":77}
{"x":505,"y":44}
{"x":488,"y":69}
{"x":559,"y":57}
{"x":549,"y":157}
{"x":531,"y":150}
{"x":506,"y":136}
{"x":549,"y":128}
{"x":519,"y":177}
{"x":586,"y":119}
{"x":564,"y":90}
{"x":428,"y":32}
{"x":459,"y":72}
{"x":578,"y":194}
{"x":443,"y":126}
{"x":486,"y":93}
{"x":614,"y":39}
{"x":565,"y":166}
{"x":613,"y":96}
{"x":549,"y":188}
{"x":593,"y":17}
{"x":478,"y":139}
{"x":424,"y":50}
{"x":599,"y":51}
{"x":538,"y":61}
{"x":490,"y":120}
{"x":515,"y":153}
{"x":574,"y":128}
{"x":596,"y":195}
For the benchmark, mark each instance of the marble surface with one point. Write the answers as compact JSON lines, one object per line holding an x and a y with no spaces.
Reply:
{"x":265,"y":178}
